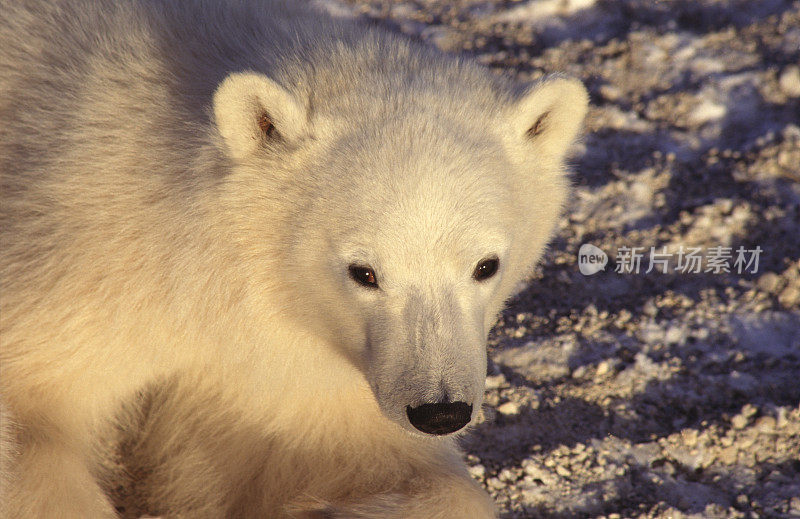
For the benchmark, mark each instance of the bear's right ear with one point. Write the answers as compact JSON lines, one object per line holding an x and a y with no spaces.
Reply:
{"x":250,"y":109}
{"x":547,"y":118}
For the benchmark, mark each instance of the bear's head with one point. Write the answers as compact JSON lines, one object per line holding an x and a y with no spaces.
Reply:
{"x":405,"y":215}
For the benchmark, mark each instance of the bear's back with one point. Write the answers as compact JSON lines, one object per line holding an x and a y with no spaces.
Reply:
{"x":70,"y":67}
{"x":108,"y":154}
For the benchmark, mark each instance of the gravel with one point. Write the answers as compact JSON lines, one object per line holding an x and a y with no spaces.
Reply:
{"x":666,"y":393}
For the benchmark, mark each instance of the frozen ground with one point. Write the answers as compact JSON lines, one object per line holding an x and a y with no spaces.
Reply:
{"x":651,"y":394}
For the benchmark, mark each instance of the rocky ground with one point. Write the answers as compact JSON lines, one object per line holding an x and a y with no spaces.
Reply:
{"x":660,"y":394}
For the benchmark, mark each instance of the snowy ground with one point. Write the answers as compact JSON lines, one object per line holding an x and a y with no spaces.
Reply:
{"x":652,"y":394}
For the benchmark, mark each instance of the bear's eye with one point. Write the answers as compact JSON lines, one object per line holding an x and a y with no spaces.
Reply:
{"x":485,"y":269}
{"x":364,"y":276}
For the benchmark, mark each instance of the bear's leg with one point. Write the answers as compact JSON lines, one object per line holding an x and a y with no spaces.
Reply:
{"x":444,"y":497}
{"x":447,"y":497}
{"x":52,"y":479}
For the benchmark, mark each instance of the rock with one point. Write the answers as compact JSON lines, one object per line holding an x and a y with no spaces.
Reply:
{"x":507,"y":475}
{"x":790,"y":296}
{"x":728,"y":455}
{"x":603,"y":368}
{"x":769,"y":282}
{"x":496,"y":381}
{"x":789,"y":81}
{"x":509,"y":408}
{"x":766,"y":424}
{"x":477,"y":471}
{"x":739,"y":421}
{"x":495,"y":483}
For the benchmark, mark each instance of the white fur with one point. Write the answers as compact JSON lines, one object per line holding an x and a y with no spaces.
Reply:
{"x":175,"y":292}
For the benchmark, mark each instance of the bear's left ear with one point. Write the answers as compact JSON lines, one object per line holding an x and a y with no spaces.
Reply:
{"x":252,"y":110}
{"x":547,"y":118}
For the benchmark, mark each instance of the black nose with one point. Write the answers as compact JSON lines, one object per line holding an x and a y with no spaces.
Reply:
{"x":441,"y":418}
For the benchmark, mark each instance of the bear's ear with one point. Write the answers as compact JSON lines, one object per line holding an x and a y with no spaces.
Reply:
{"x":547,"y":117}
{"x":250,"y":110}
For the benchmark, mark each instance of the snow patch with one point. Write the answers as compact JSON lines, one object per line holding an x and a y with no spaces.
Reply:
{"x":776,"y":334}
{"x":540,"y":360}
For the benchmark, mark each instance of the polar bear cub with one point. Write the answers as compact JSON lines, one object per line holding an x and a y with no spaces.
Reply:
{"x":251,"y":254}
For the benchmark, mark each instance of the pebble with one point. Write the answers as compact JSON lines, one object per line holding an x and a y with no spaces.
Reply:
{"x":741,"y":420}
{"x":477,"y":471}
{"x":790,"y":297}
{"x":603,"y":368}
{"x":766,"y":424}
{"x":689,"y":437}
{"x":495,"y":483}
{"x":507,"y":475}
{"x":674,"y":335}
{"x":769,"y":282}
{"x":610,"y":92}
{"x":496,"y":381}
{"x":783,"y":418}
{"x":789,"y":81}
{"x":509,"y":408}
{"x":534,"y":472}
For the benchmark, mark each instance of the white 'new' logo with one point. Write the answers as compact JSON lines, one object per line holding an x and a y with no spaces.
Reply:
{"x":591,"y":259}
